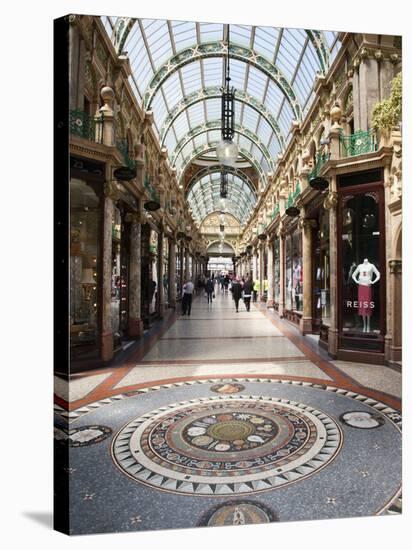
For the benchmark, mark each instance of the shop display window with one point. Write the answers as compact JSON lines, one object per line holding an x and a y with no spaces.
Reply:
{"x":362,"y":267}
{"x":276,"y":259}
{"x":84,"y":268}
{"x":154,"y":271}
{"x":321,"y":272}
{"x":178,"y":271}
{"x":165,"y":281}
{"x":294,"y":273}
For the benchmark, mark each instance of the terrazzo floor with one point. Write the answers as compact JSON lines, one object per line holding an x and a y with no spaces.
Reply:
{"x":228,"y":418}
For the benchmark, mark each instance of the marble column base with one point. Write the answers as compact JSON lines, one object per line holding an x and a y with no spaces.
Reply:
{"x":281,"y":310}
{"x":106,"y":341}
{"x":393,"y":353}
{"x":305,"y":325}
{"x":135,"y":327}
{"x":333,"y":342}
{"x":270,"y":303}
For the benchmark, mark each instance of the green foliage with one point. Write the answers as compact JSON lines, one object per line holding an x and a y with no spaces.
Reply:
{"x":388,"y":112}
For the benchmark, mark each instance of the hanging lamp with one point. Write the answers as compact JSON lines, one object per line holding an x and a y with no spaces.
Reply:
{"x":226,"y":149}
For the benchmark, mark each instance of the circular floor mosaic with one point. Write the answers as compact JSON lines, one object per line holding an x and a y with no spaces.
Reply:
{"x":227,"y":445}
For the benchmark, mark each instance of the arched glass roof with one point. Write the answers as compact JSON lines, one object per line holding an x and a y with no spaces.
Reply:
{"x":178,"y":70}
{"x":204,"y":197}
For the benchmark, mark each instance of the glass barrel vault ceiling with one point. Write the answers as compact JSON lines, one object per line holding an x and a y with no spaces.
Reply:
{"x":178,"y":70}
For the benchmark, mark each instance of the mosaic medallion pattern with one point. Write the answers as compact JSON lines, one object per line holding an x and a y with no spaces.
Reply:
{"x":362,"y":420}
{"x":227,"y":388}
{"x":226,"y":445}
{"x":238,"y":513}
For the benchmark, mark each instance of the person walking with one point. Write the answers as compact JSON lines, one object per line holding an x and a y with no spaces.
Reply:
{"x":188,"y":288}
{"x":209,"y":287}
{"x":256,"y":288}
{"x":247,"y":292}
{"x":236,"y":292}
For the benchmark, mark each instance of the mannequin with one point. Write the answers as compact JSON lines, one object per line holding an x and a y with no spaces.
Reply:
{"x":363,"y":276}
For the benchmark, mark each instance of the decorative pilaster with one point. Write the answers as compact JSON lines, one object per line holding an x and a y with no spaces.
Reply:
{"x":393,"y":353}
{"x":281,"y":271}
{"x":186,"y":255}
{"x":172,"y":273}
{"x":307,"y":225}
{"x":160,"y":287}
{"x":110,"y":195}
{"x":271,"y":277}
{"x":135,"y":323}
{"x":330,"y":203}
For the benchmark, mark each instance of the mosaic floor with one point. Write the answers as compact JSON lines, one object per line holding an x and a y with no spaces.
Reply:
{"x":217,"y":433}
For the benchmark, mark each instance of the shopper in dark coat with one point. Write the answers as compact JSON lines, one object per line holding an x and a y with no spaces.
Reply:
{"x":247,"y":292}
{"x":209,"y":287}
{"x":236,"y":292}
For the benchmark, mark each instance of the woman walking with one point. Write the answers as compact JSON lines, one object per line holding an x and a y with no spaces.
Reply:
{"x":236,"y":292}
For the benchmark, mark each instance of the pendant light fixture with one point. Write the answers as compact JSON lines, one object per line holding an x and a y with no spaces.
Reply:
{"x":223,"y":184}
{"x":226,"y":149}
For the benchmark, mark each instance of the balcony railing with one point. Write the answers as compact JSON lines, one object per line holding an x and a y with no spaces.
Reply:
{"x":154,"y":195}
{"x":321,"y":159}
{"x":358,"y":143}
{"x":293,"y":195}
{"x":123,"y":147}
{"x":85,"y":126}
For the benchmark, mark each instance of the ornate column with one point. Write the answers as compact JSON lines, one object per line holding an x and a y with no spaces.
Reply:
{"x":110,"y":195}
{"x":186,"y":255}
{"x":330,"y":203}
{"x":261,"y":270}
{"x":395,"y":348}
{"x":307,"y":225}
{"x":160,"y":287}
{"x":172,"y":272}
{"x":135,"y":323}
{"x":281,"y":270}
{"x":271,"y":276}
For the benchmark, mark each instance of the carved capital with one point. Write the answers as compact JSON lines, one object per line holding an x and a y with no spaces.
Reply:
{"x":331,"y":201}
{"x":133,"y":217}
{"x":111,"y":191}
{"x":307,"y":223}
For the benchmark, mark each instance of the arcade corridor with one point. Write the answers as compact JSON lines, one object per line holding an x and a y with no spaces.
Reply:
{"x":229,"y":418}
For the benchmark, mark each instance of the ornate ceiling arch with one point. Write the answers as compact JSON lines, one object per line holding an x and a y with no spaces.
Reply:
{"x":217,"y":168}
{"x":199,"y":52}
{"x":207,"y":147}
{"x":216,"y":124}
{"x":124,"y":25}
{"x":212,"y":92}
{"x":204,"y":196}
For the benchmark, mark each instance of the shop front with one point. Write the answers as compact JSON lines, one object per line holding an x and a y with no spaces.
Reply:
{"x":293,"y":274}
{"x":361,"y":266}
{"x":86,"y":199}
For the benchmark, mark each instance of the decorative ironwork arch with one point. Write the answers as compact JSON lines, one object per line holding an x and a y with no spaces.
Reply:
{"x":217,"y":168}
{"x":207,"y":147}
{"x":216,"y":124}
{"x":213,"y":92}
{"x":318,"y":41}
{"x":219,"y":49}
{"x":124,"y":25}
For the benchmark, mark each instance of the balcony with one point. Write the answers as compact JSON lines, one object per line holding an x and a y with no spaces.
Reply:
{"x":358,"y":143}
{"x":85,"y":126}
{"x":321,"y":159}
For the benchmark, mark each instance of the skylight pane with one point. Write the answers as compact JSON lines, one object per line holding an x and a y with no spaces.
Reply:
{"x":211,"y":32}
{"x":184,"y":34}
